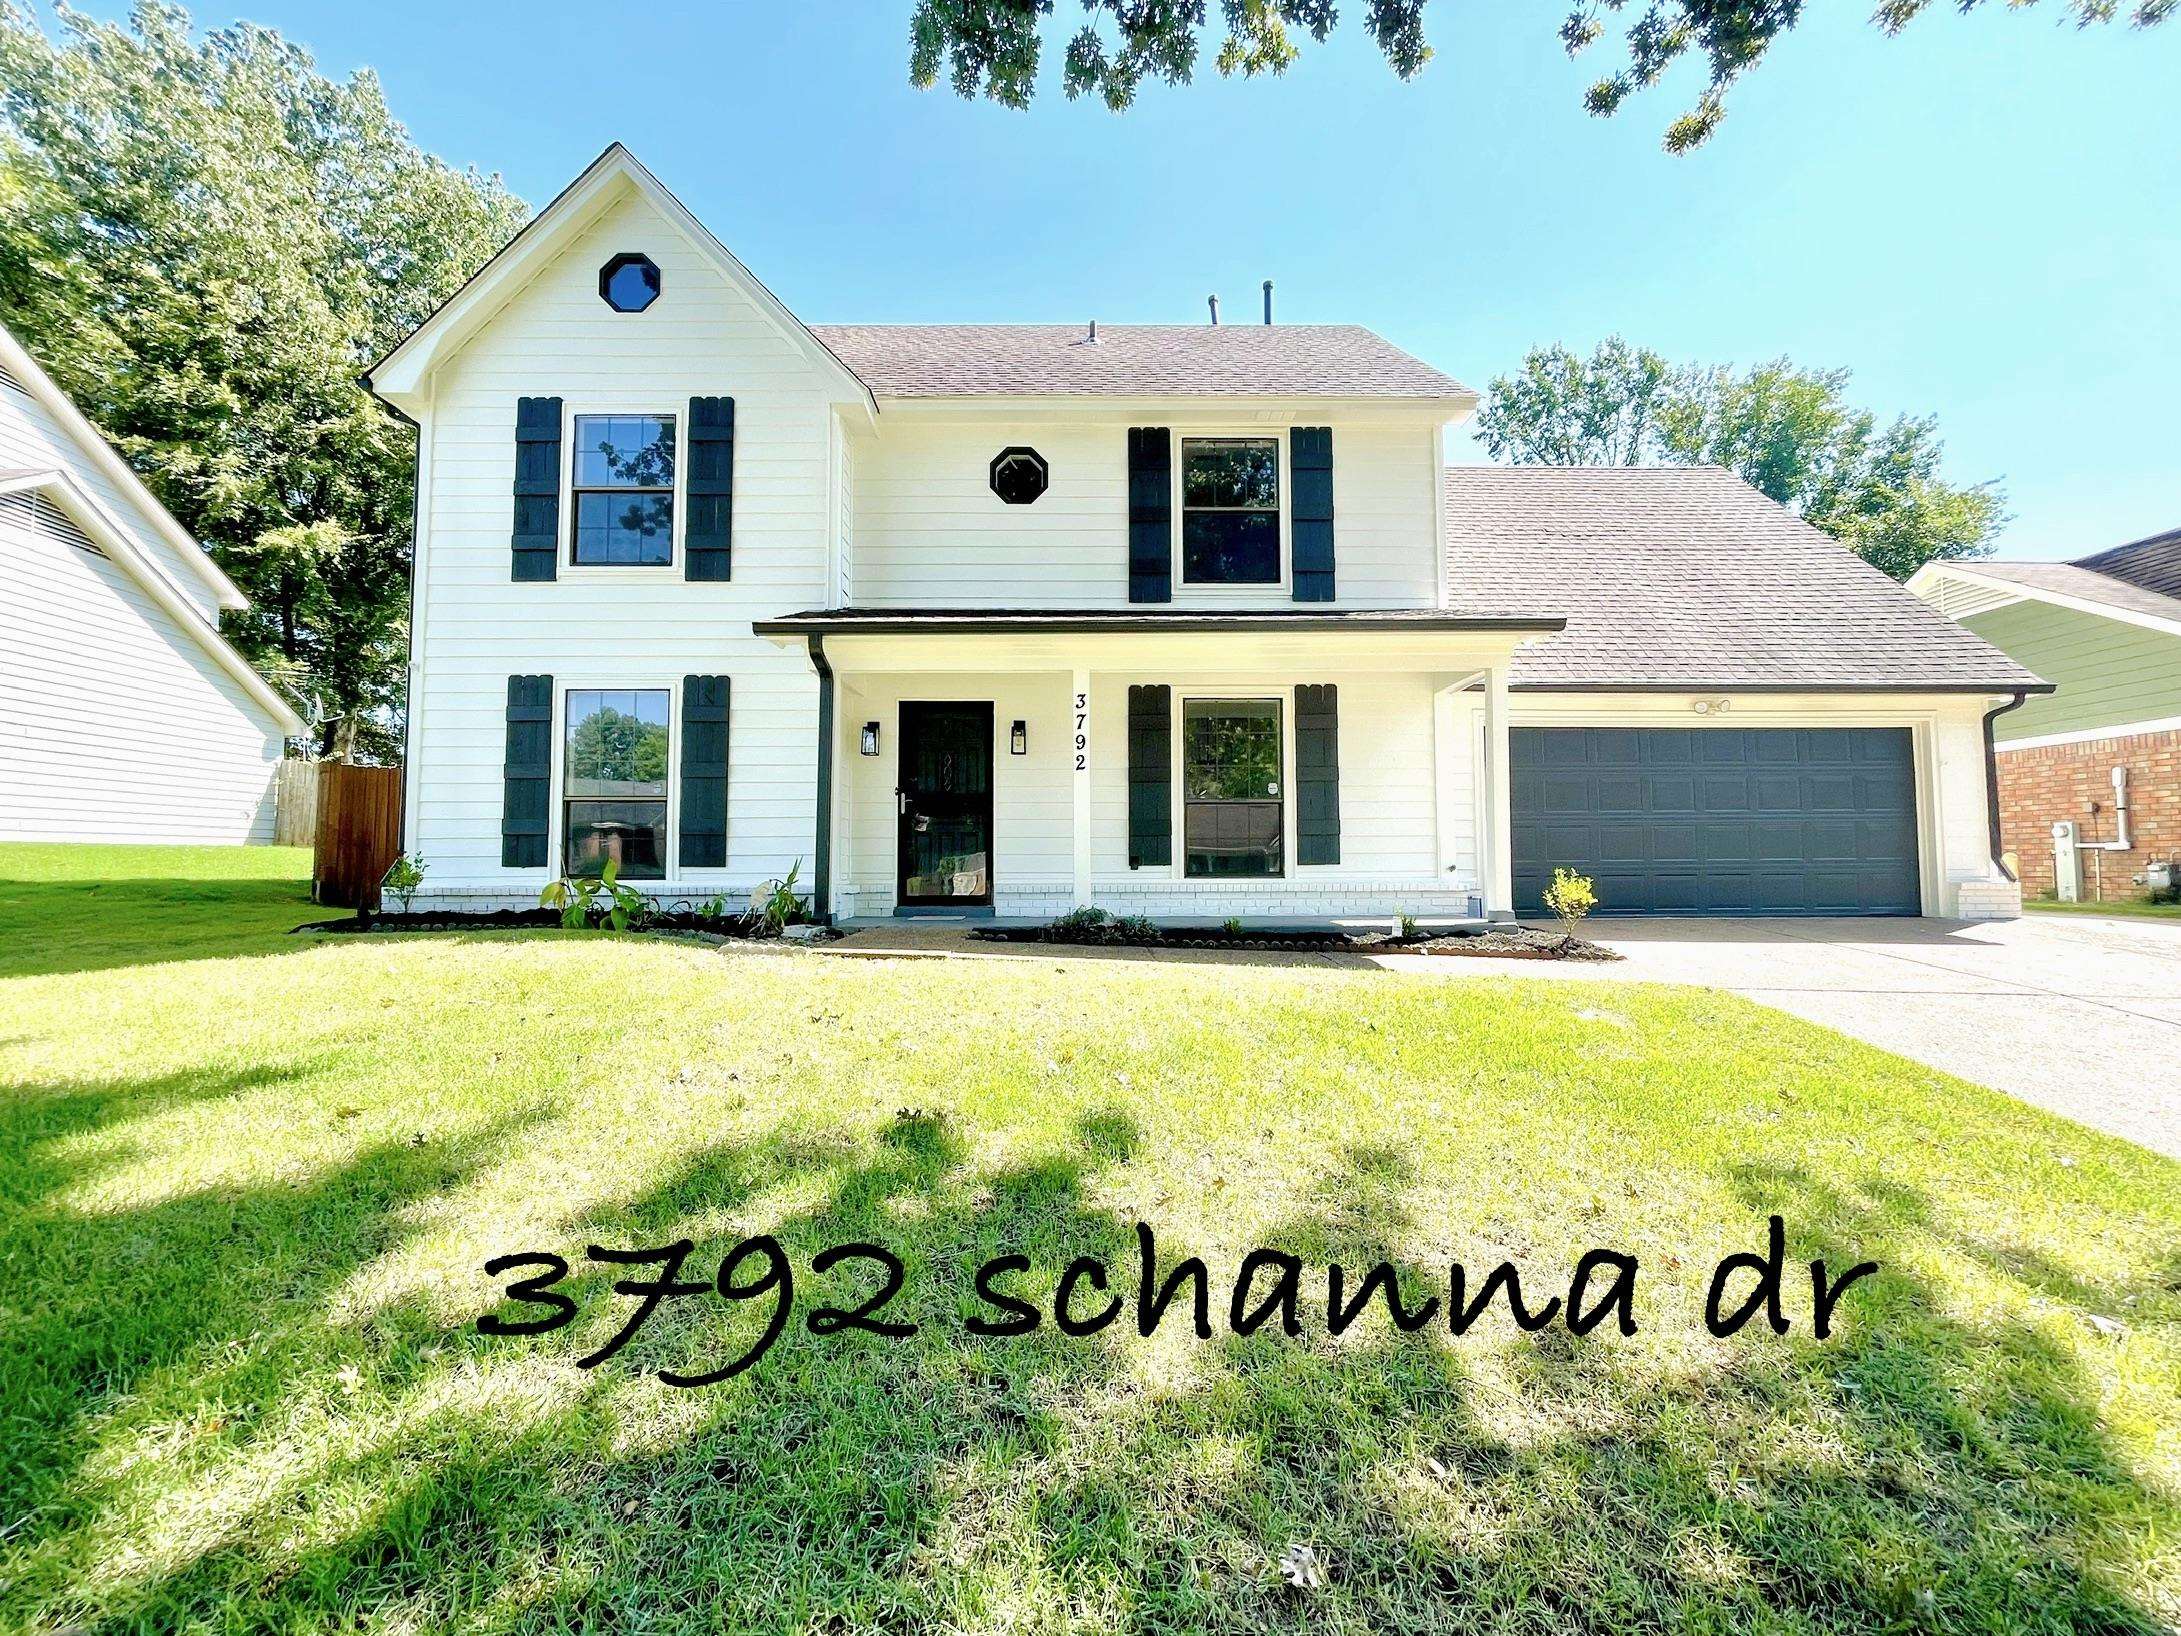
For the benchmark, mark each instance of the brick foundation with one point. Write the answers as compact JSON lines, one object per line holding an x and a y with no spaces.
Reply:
{"x":2041,"y":785}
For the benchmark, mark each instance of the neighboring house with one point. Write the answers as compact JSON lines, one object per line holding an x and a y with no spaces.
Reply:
{"x":2106,"y":629}
{"x":1173,"y":620}
{"x":124,"y":716}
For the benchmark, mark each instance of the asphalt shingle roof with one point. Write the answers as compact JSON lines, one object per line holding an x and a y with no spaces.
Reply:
{"x":2153,"y":563}
{"x":1131,"y":360}
{"x":1688,"y":578}
{"x":2075,"y":580}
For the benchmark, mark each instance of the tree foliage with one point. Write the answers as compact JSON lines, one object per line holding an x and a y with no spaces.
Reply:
{"x":204,"y":241}
{"x":992,"y":48}
{"x":1789,"y":432}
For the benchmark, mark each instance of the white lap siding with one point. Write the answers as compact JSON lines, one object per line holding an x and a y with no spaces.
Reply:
{"x":931,"y":533}
{"x":610,"y":627}
{"x":115,"y":723}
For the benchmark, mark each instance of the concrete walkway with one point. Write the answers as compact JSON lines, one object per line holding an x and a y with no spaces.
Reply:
{"x":2079,"y":1014}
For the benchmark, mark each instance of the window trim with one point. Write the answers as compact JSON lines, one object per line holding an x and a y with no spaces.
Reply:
{"x":1280,"y":694}
{"x":572,"y":412}
{"x":556,"y":839}
{"x":1277,"y":437}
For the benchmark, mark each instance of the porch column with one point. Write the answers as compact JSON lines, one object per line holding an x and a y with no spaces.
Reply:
{"x":1079,"y":706}
{"x":1496,"y":848}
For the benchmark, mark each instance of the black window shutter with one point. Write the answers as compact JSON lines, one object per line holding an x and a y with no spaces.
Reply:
{"x":704,"y":772}
{"x":1317,"y":774}
{"x":1150,"y":514}
{"x":1310,"y":525}
{"x":709,"y":491}
{"x":536,"y":539}
{"x":526,"y":801}
{"x":1150,"y":777}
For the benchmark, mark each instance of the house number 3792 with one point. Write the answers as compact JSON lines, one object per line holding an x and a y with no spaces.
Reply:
{"x":1082,"y":732}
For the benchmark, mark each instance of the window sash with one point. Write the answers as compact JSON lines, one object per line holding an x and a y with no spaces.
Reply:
{"x":1234,"y":804}
{"x":606,"y":544}
{"x":1219,"y":549}
{"x":614,"y":794}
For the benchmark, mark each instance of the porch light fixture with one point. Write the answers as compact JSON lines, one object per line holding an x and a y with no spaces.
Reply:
{"x":1018,"y":739}
{"x":870,"y":738}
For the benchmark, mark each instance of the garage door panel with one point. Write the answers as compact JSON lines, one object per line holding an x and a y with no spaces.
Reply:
{"x":1719,"y":820}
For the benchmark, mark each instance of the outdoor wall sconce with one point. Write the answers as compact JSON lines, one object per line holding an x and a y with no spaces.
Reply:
{"x":870,"y":738}
{"x":1018,"y":739}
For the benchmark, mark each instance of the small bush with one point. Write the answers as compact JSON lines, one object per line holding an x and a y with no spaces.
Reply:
{"x":782,"y":907}
{"x":402,"y":878}
{"x":1570,"y":897}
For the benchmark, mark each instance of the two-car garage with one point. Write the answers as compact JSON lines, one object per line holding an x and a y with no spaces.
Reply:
{"x":1719,"y":820}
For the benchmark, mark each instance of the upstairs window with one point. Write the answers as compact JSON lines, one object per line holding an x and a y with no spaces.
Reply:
{"x":613,"y":782}
{"x":1232,"y":822}
{"x":1230,"y":511}
{"x":624,"y":491}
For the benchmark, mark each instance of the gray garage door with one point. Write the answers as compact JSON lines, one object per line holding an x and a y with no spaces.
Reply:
{"x":1719,"y":820}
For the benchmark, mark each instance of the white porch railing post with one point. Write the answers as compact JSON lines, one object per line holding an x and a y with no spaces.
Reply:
{"x":1079,"y":749}
{"x":1499,"y":881}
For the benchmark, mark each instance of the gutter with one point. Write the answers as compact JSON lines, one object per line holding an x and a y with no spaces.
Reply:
{"x":1991,"y":780}
{"x":821,"y":873}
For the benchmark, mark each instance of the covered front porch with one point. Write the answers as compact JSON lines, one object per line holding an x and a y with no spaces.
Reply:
{"x":1284,"y":769}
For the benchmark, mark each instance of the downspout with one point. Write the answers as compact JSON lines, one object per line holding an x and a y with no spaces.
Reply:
{"x":1991,"y":780}
{"x":821,"y":874}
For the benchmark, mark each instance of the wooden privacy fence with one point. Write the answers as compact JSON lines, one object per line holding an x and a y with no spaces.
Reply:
{"x":295,"y":803}
{"x":359,"y":832}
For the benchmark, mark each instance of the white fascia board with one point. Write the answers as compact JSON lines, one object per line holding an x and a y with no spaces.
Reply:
{"x":399,"y":377}
{"x":92,"y":442}
{"x":66,"y":490}
{"x":2088,"y":735}
{"x":2058,"y":599}
{"x":1176,"y":410}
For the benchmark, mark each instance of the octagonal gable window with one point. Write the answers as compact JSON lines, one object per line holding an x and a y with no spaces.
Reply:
{"x":629,"y":283}
{"x":1018,"y":475}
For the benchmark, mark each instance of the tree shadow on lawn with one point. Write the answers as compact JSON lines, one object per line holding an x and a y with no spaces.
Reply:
{"x":51,"y":928}
{"x":1915,"y":1472}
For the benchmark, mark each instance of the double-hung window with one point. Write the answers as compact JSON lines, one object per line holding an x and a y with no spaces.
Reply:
{"x":1232,"y":819}
{"x":1230,"y":511}
{"x":623,"y":487}
{"x":613,"y":781}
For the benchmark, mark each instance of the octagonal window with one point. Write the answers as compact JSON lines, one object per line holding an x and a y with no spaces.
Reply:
{"x":1018,"y":475}
{"x":629,"y":283}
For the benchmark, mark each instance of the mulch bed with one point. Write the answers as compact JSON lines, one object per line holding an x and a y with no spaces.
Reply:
{"x":1511,"y":942}
{"x":732,"y":928}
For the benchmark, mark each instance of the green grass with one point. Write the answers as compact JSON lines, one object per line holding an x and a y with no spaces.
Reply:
{"x":2142,"y":907}
{"x":248,"y":1182}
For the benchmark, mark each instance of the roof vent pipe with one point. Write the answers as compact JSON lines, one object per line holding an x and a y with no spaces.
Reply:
{"x":1268,"y":300}
{"x":1093,"y":336}
{"x":1214,"y":301}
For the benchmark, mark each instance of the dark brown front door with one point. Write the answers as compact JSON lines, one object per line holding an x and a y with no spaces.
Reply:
{"x":945,"y":797}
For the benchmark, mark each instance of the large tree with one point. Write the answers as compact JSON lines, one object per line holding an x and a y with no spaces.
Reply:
{"x":205,"y":240}
{"x":992,"y":48}
{"x":1792,"y":433}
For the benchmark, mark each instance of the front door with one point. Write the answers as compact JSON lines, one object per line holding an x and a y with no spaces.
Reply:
{"x":945,"y":798}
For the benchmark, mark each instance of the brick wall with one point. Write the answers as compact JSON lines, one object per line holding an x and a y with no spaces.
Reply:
{"x":2039,"y":786}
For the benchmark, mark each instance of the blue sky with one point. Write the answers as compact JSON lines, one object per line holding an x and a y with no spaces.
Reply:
{"x":1981,"y":219}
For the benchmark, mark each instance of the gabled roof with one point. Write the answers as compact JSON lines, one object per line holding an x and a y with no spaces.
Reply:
{"x":1686,"y":578}
{"x":2063,"y":584}
{"x":1135,"y":360}
{"x":397,"y":377}
{"x":121,"y":546}
{"x":31,"y":376}
{"x":2154,"y":563}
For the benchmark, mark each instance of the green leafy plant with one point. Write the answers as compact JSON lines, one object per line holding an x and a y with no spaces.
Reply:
{"x":577,"y":896}
{"x":402,"y":878}
{"x":1084,"y":925}
{"x":782,"y":907}
{"x":1570,"y":897}
{"x":1136,"y":929}
{"x":1408,"y":928}
{"x":714,"y":907}
{"x":1232,"y":925}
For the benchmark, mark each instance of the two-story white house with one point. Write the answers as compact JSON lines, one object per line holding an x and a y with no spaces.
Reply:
{"x":1185,"y":621}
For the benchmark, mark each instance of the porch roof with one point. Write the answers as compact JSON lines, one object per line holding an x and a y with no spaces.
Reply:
{"x":1143,"y":621}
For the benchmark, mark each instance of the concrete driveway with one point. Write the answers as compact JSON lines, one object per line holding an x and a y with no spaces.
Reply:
{"x":2080,"y":1014}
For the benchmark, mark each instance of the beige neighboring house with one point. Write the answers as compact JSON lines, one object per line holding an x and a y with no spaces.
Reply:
{"x":2089,"y":777}
{"x":1180,"y":620}
{"x":124,"y":715}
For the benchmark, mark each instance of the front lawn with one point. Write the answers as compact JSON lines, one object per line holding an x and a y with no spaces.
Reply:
{"x":248,"y":1183}
{"x":2141,"y":907}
